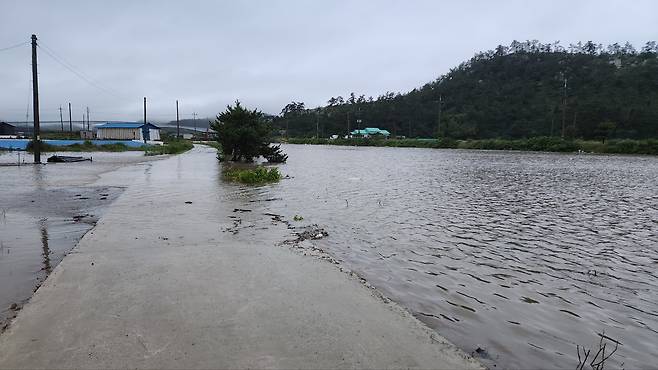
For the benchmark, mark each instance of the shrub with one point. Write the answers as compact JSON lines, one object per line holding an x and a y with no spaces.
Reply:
{"x":244,"y":135}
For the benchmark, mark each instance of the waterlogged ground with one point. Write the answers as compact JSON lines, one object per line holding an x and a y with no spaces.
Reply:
{"x":44,"y":211}
{"x":525,"y":255}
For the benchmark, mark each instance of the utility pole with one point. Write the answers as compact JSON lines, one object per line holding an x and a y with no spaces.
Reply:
{"x":61,"y":120}
{"x":83,"y":121}
{"x":552,"y":119}
{"x":194,"y":115}
{"x":348,"y":123}
{"x":564,"y":107}
{"x":87,"y":118}
{"x":70,"y":119}
{"x":35,"y":102}
{"x":439,"y":125}
{"x":145,"y":116}
{"x":177,"y":122}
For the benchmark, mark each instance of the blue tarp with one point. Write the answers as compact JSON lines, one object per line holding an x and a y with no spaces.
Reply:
{"x":21,"y":144}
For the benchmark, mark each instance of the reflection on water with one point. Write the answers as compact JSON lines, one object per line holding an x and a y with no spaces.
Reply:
{"x":44,"y":211}
{"x":522,"y":254}
{"x":44,"y":242}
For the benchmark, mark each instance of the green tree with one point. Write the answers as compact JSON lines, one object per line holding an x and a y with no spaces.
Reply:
{"x":244,"y":135}
{"x":512,"y":92}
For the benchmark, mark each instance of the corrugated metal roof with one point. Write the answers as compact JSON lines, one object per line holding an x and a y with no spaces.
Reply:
{"x":125,"y":125}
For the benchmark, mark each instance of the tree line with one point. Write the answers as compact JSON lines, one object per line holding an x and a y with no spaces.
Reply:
{"x":527,"y":89}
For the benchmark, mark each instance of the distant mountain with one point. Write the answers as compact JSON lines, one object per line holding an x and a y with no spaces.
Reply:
{"x":522,"y":90}
{"x":201,"y":123}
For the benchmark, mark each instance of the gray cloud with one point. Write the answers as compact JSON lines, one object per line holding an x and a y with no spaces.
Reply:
{"x":267,"y":53}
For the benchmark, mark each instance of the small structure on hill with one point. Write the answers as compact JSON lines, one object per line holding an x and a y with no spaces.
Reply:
{"x":7,"y":129}
{"x":370,"y":131}
{"x":128,"y":131}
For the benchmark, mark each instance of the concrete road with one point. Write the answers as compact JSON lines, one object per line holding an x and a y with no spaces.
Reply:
{"x":159,"y":284}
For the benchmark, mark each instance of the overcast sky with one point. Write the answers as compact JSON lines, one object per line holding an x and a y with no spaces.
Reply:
{"x":267,"y":53}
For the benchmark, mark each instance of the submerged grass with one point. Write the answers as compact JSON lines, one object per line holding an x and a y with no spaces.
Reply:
{"x":258,"y":175}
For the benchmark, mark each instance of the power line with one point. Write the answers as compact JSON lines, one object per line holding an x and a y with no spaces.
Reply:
{"x":63,"y":60}
{"x":14,"y":46}
{"x":79,"y":75}
{"x":74,"y":70}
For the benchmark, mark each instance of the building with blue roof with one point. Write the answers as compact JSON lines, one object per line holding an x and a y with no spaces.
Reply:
{"x":128,"y":131}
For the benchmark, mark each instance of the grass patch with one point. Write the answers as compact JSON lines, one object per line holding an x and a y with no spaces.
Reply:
{"x":171,"y":147}
{"x":537,"y":144}
{"x":87,"y":146}
{"x":258,"y":175}
{"x":379,"y":141}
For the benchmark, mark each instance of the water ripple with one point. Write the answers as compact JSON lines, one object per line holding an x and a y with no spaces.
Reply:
{"x":526,"y":254}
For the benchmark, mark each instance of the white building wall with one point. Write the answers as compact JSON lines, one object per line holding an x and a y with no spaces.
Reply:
{"x":154,"y":134}
{"x":119,"y":134}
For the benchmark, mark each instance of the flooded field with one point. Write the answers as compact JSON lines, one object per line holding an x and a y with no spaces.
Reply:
{"x":44,"y":211}
{"x":524,"y":255}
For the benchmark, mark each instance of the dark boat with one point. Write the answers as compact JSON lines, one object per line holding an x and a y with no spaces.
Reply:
{"x":66,"y":159}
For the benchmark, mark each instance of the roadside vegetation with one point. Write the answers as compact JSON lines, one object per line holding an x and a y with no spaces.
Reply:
{"x":257,"y":175}
{"x":170,"y":147}
{"x":244,"y":136}
{"x":87,"y":146}
{"x":173,"y":146}
{"x":541,"y":144}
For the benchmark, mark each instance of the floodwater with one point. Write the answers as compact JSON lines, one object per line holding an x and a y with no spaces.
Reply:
{"x":524,"y":255}
{"x":44,"y":211}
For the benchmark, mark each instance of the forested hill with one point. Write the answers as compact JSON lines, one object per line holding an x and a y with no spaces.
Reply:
{"x":523,"y":90}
